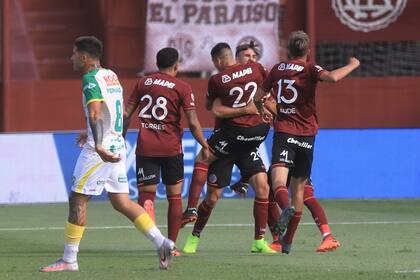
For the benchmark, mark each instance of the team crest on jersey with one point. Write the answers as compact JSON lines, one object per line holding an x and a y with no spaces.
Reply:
{"x":368,"y":15}
{"x":226,"y":79}
{"x":148,"y":81}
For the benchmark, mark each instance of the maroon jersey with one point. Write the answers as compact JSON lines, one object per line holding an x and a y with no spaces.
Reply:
{"x":294,"y":83}
{"x":236,"y":87}
{"x":161,"y":97}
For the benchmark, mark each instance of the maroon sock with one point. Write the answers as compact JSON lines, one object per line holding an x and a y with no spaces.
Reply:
{"x":292,"y":227}
{"x":260,"y":217}
{"x":198,"y":180}
{"x":273,"y":214}
{"x":314,"y":207}
{"x":281,"y":195}
{"x":174,"y":216}
{"x":143,"y":196}
{"x":204,"y":212}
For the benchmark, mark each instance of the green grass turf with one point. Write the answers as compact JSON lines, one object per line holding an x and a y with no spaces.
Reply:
{"x":369,"y":250}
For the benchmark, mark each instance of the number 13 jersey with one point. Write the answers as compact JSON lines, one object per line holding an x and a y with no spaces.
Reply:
{"x":160,"y":98}
{"x":294,"y":84}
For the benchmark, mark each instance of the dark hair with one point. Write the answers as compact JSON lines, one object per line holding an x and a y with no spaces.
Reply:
{"x":89,"y":44}
{"x":298,"y":44}
{"x":166,"y":57}
{"x":219,"y":50}
{"x":243,"y":47}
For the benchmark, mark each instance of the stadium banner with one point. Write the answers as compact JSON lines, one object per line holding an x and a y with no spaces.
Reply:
{"x":194,"y":27}
{"x":348,"y":163}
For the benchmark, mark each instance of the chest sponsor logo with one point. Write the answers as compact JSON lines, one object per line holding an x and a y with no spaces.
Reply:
{"x":368,"y":15}
{"x":148,"y":81}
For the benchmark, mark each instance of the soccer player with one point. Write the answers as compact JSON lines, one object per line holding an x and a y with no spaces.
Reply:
{"x":101,"y":163}
{"x":161,"y":97}
{"x":294,"y":83}
{"x":237,"y":135}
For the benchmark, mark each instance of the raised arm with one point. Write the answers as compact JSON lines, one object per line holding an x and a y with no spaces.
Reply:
{"x":339,"y":73}
{"x":97,"y":125}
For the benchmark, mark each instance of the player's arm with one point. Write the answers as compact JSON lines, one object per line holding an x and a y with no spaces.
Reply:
{"x":128,"y":112}
{"x":225,"y":112}
{"x":195,"y":128}
{"x":339,"y":73}
{"x":97,"y":125}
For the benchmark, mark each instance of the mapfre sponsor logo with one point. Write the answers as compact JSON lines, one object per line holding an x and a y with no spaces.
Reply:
{"x":148,"y":81}
{"x":236,"y":75}
{"x":368,"y":15}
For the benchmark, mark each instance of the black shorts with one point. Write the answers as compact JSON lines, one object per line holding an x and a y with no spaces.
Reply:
{"x":148,"y":170}
{"x":295,"y":152}
{"x":232,"y":140}
{"x":220,"y":171}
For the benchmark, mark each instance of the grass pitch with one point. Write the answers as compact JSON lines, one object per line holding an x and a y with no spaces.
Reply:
{"x":380,"y":240}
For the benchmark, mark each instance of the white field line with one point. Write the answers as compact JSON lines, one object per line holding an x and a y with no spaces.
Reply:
{"x":213,"y":225}
{"x":408,"y":271}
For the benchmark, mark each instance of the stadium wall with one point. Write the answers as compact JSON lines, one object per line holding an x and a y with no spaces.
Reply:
{"x":348,"y":163}
{"x":51,"y":105}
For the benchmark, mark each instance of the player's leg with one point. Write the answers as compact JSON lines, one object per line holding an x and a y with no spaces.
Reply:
{"x":204,"y":212}
{"x":299,"y":175}
{"x":219,"y":175}
{"x":220,"y":146}
{"x":297,"y":186}
{"x":173,"y":178}
{"x":89,"y":180}
{"x":117,"y":188}
{"x":252,"y":167}
{"x":328,"y":243}
{"x":148,"y":176}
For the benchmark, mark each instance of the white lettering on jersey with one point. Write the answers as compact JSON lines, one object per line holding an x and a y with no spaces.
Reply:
{"x":155,"y":126}
{"x":290,"y":66}
{"x":305,"y":145}
{"x":163,"y":83}
{"x":288,"y":111}
{"x":237,"y":74}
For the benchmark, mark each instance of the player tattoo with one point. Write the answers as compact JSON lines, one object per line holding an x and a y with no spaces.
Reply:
{"x":97,"y":126}
{"x":77,"y":211}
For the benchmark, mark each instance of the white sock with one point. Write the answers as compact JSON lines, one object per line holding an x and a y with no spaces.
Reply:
{"x":155,"y":236}
{"x":70,"y":252}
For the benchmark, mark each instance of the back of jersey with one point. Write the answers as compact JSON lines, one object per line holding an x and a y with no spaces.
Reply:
{"x":103,"y":85}
{"x":160,"y":98}
{"x":294,"y":83}
{"x":236,"y":87}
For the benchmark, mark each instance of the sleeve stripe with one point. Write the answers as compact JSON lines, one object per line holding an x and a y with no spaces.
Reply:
{"x":93,"y":100}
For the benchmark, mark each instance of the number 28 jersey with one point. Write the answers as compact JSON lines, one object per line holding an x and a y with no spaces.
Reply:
{"x":103,"y":85}
{"x":160,"y":98}
{"x":294,"y":83}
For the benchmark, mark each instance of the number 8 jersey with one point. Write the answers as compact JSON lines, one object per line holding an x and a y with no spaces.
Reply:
{"x":103,"y":85}
{"x":160,"y":98}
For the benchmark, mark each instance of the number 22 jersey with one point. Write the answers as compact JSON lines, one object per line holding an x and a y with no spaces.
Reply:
{"x":160,"y":98}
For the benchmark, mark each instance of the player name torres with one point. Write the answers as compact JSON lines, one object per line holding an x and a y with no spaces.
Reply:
{"x":156,"y":126}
